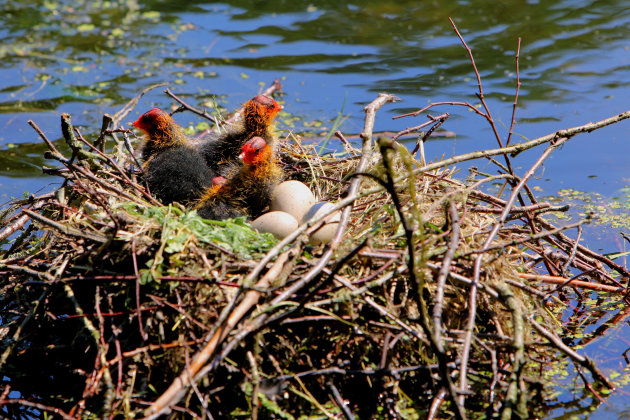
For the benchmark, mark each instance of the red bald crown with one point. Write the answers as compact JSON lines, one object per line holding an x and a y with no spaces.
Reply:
{"x":255,"y":151}
{"x":153,"y":120}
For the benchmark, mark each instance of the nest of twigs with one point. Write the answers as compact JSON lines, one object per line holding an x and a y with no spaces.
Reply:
{"x":429,"y":300}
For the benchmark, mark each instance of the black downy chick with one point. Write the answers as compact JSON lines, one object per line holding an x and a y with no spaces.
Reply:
{"x":175,"y":170}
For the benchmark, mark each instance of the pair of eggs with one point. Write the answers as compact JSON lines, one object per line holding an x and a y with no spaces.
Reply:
{"x":292,"y":204}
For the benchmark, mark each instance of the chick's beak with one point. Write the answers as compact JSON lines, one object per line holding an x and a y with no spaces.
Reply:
{"x":241,"y":156}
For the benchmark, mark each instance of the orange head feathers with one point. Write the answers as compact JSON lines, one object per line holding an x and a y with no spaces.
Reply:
{"x":260,"y":112}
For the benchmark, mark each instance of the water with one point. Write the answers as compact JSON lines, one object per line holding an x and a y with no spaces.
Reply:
{"x":90,"y":57}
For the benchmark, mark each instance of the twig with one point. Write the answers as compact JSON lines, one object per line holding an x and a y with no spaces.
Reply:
{"x":573,"y":251}
{"x":37,"y":406}
{"x":20,"y":222}
{"x":439,"y":120}
{"x":572,"y":282}
{"x":581,"y":360}
{"x":487,"y":115}
{"x":436,"y":403}
{"x":431,"y":105}
{"x":176,"y":390}
{"x":518,"y":87}
{"x":67,"y":230}
{"x":118,"y":117}
{"x":432,"y":120}
{"x":444,"y":271}
{"x":584,"y":250}
{"x":67,"y":130}
{"x":185,"y":106}
{"x":547,"y":207}
{"x":518,"y":148}
{"x":345,"y":142}
{"x":587,"y":384}
{"x":99,"y":143}
{"x":340,"y":402}
{"x":49,"y":143}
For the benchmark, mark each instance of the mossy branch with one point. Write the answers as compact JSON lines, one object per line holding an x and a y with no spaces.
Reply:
{"x":75,"y":145}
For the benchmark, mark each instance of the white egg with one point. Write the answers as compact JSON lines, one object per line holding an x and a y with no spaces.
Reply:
{"x":278,"y":223}
{"x":328,"y":230}
{"x":292,"y":197}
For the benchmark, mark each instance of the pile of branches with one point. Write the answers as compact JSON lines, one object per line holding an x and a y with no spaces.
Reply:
{"x":433,"y":297}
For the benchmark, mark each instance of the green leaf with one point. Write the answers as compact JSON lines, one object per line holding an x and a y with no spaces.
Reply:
{"x":85,"y":27}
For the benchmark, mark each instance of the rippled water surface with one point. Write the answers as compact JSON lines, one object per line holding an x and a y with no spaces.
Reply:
{"x":91,"y":57}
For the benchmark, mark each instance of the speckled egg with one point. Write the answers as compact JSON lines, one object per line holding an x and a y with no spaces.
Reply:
{"x":292,"y":197}
{"x":327,"y":231}
{"x":278,"y":223}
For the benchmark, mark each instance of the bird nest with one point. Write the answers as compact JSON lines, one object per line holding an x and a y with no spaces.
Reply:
{"x":432,"y":299}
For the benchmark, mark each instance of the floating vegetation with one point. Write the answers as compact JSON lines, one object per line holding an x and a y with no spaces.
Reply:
{"x":434,"y":298}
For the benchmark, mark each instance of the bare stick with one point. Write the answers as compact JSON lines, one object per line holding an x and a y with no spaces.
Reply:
{"x":118,"y":117}
{"x":444,"y":270}
{"x":20,"y":222}
{"x":340,"y":402}
{"x":581,"y":248}
{"x":345,"y":142}
{"x":480,"y":87}
{"x":518,"y":148}
{"x":49,"y":143}
{"x":572,"y":283}
{"x":436,"y":403}
{"x":177,"y":389}
{"x":37,"y":406}
{"x":431,"y":105}
{"x":418,"y":127}
{"x":518,"y":87}
{"x":544,"y":207}
{"x":558,"y":343}
{"x":185,"y":106}
{"x":67,"y":230}
{"x":439,"y":120}
{"x":573,"y":251}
